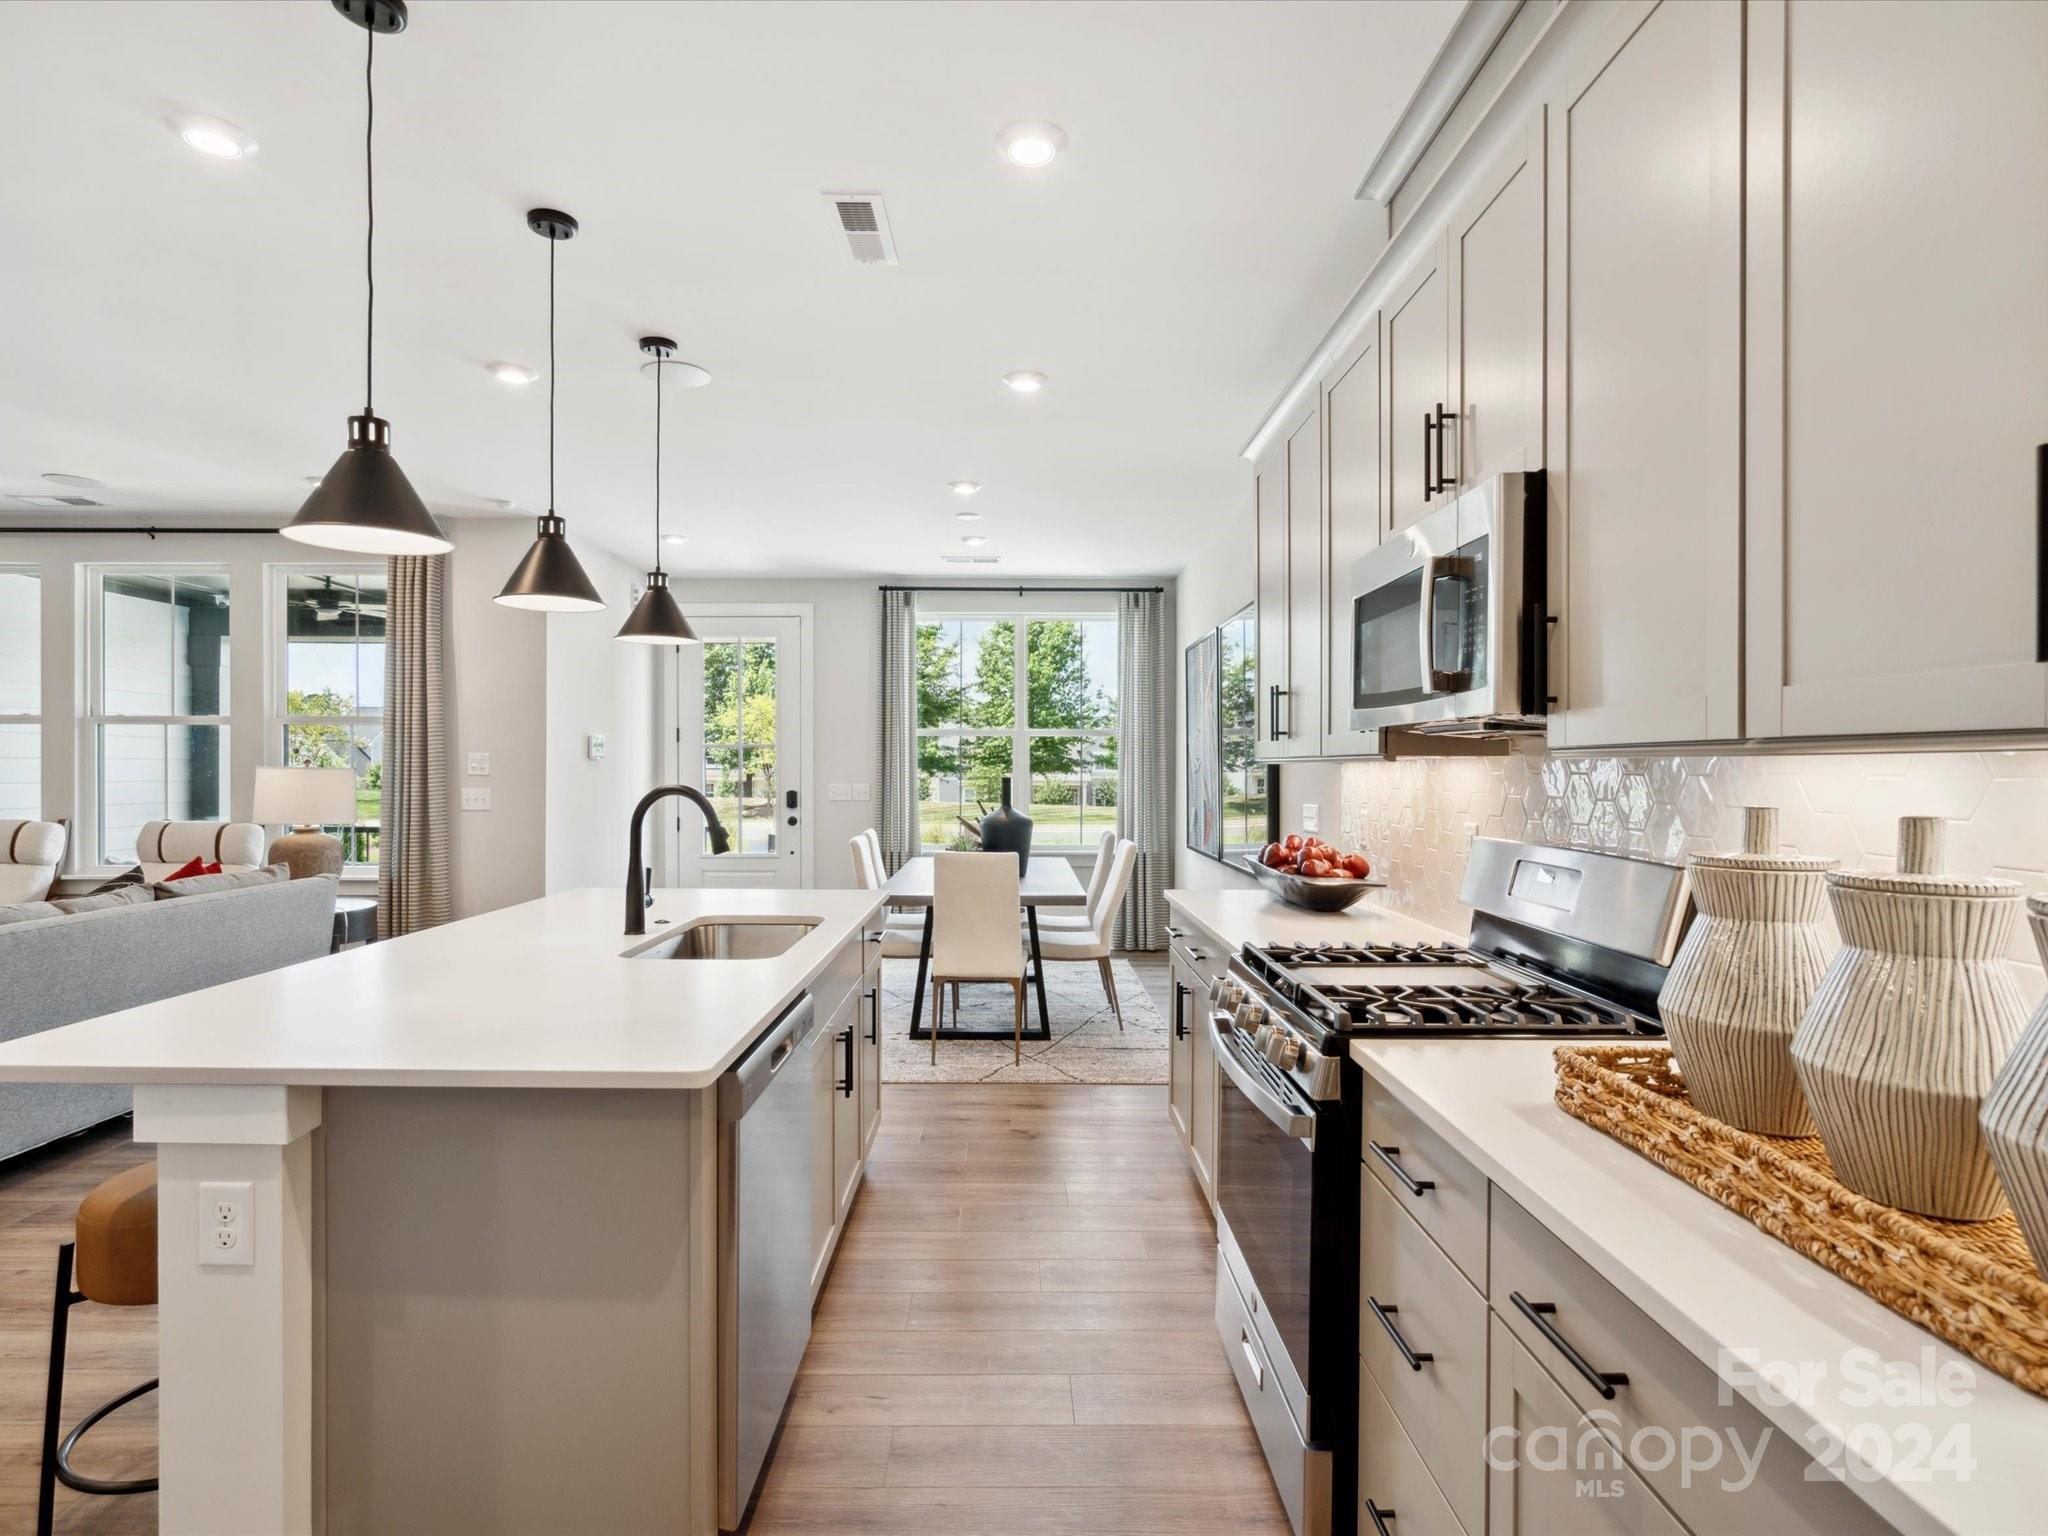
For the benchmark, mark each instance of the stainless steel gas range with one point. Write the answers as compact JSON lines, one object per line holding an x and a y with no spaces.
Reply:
{"x":1564,"y":943}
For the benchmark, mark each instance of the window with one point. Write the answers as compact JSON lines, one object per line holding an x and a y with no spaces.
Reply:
{"x":1237,"y":718}
{"x":158,"y":721}
{"x":332,"y":713}
{"x":1033,"y":697}
{"x":740,"y":739}
{"x":21,"y":693}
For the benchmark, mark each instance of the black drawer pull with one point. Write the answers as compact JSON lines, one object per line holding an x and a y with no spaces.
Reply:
{"x":1379,"y":1518}
{"x":1409,"y":1182}
{"x":1539,"y":1314}
{"x":1416,"y":1359}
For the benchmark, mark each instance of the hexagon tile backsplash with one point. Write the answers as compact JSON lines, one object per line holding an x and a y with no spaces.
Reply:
{"x":1417,"y":818}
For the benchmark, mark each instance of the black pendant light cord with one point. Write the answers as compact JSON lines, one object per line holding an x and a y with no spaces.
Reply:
{"x":658,"y":365}
{"x":552,"y":243}
{"x":370,"y":236}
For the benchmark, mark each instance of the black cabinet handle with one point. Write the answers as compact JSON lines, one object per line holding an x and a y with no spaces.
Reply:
{"x":874,"y":1018}
{"x":1416,"y":1359}
{"x":1428,"y":478}
{"x":846,"y":1087}
{"x":2041,"y":552}
{"x":1539,"y":1314}
{"x":1443,"y":478}
{"x":1180,"y":997}
{"x":1379,"y":1518}
{"x":1409,"y":1182}
{"x":1273,"y":711}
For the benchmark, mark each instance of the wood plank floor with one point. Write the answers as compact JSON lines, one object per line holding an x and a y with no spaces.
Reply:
{"x":1016,"y":1337}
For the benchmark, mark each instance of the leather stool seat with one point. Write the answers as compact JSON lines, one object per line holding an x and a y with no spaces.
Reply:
{"x":117,"y":1240}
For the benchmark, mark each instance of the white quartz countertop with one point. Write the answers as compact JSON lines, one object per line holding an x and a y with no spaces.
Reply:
{"x":1727,"y":1291}
{"x":1243,"y":915}
{"x":540,"y":995}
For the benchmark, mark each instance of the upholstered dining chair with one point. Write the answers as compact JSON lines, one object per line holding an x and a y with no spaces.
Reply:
{"x":1050,"y":919}
{"x":1093,"y":941}
{"x":902,"y":934}
{"x":974,"y":932}
{"x":31,"y":852}
{"x":163,"y":847}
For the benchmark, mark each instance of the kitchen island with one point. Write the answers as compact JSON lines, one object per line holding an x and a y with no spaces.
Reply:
{"x":477,"y":1272}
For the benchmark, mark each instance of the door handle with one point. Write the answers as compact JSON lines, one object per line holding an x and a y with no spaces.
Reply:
{"x":1379,"y":1518}
{"x":1180,"y":997}
{"x":1273,"y":711}
{"x":1443,"y":478}
{"x":874,"y":1018}
{"x":1539,"y":1314}
{"x":846,"y":1088}
{"x":1428,"y":481}
{"x":1416,"y":1358}
{"x":1387,"y":1156}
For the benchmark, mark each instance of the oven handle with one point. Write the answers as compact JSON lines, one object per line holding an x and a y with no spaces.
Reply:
{"x":1302,"y":1127}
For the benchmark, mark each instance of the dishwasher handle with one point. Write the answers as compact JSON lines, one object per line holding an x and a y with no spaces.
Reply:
{"x":748,"y":1078}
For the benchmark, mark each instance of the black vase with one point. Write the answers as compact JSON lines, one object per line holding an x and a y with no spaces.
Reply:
{"x":1007,"y":830}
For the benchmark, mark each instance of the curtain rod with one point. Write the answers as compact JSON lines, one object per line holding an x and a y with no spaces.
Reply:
{"x":1019,"y":591}
{"x":150,"y":532}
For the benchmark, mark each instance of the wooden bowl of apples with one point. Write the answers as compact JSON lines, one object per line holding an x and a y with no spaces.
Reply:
{"x":1308,"y":873}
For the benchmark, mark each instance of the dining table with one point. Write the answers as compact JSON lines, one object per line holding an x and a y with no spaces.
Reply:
{"x":1047,"y":881}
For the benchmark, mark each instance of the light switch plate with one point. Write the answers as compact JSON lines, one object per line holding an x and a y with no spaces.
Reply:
{"x":1309,"y":814}
{"x":839,"y":792}
{"x":479,"y":764}
{"x":476,"y":799}
{"x":227,"y":1225}
{"x":593,"y":747}
{"x":860,"y":791}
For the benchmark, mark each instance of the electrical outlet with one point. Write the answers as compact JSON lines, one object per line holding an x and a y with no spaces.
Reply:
{"x":479,"y":764}
{"x":476,"y":799}
{"x":860,"y":791}
{"x":227,"y":1215}
{"x":1309,"y":814}
{"x":593,"y":747}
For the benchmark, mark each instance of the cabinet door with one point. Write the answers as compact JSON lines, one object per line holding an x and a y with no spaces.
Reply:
{"x":1301,"y":712}
{"x":1496,"y":266}
{"x":846,"y":1164}
{"x":1549,"y":1467}
{"x":1897,"y":400}
{"x":825,"y":1048}
{"x":1353,"y":503}
{"x":1418,"y":387}
{"x":1270,"y":517}
{"x":868,"y":1058}
{"x":1178,"y":1053}
{"x":1645,"y":449}
{"x":1202,"y":1101}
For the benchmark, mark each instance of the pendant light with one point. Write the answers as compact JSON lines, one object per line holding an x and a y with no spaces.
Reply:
{"x":365,"y":504}
{"x":656,"y":619}
{"x":550,"y":578}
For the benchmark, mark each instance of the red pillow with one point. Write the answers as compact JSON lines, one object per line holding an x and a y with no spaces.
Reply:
{"x":194,"y":867}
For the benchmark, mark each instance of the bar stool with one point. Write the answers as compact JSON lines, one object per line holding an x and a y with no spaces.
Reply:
{"x":115,"y":1256}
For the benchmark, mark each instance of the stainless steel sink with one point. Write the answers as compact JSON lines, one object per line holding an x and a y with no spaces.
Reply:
{"x":736,"y":939}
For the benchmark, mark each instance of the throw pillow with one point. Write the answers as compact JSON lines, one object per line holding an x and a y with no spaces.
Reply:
{"x":126,"y":877}
{"x":188,"y":869}
{"x":26,"y":912}
{"x":101,"y":901}
{"x":231,"y":880}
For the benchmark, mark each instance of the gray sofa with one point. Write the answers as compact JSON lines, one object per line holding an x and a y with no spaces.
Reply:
{"x":58,"y":970}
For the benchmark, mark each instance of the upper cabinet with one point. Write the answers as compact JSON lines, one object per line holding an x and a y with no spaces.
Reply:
{"x":1644,"y":379}
{"x":1290,"y":578}
{"x":1420,"y":475}
{"x":1270,"y":517}
{"x":1494,"y":253}
{"x":1354,"y":515}
{"x":1897,"y":400}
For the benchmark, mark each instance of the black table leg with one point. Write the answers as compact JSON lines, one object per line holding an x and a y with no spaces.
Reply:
{"x":1038,"y":969}
{"x":924,"y":960}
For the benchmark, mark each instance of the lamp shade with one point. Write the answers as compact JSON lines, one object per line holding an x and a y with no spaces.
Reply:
{"x":656,"y":619}
{"x":550,"y":578}
{"x":365,"y":504}
{"x":305,"y":797}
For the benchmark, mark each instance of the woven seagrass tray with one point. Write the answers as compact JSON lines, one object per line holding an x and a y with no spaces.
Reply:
{"x":1972,"y":1284}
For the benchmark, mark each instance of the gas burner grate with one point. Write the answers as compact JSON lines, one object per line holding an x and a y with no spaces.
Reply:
{"x":1346,"y":954}
{"x":1494,"y":1008}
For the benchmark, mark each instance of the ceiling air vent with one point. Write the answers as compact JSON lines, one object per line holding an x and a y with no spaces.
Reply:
{"x":864,"y":226}
{"x":57,"y":501}
{"x":970,"y":559}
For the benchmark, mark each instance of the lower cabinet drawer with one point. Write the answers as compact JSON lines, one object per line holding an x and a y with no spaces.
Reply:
{"x":1649,"y":1393}
{"x":1413,"y":1299}
{"x":1301,"y":1475}
{"x":1396,"y":1495}
{"x":1428,"y":1178}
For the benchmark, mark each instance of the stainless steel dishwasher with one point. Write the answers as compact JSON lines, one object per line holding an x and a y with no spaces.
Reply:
{"x":764,"y":1230}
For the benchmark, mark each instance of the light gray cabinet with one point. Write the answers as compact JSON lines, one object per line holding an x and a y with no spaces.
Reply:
{"x":1302,"y":710}
{"x":1494,"y":251}
{"x":843,"y":1122}
{"x":1269,"y":517}
{"x":1196,"y":960}
{"x":825,"y":1050}
{"x":867,"y":1054}
{"x":1354,"y":516}
{"x":1418,"y":372}
{"x":1897,"y":366}
{"x":1644,"y":452}
{"x":1180,"y":1050}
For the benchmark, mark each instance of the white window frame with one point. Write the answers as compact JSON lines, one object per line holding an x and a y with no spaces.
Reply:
{"x":275,"y":672}
{"x":16,"y":717}
{"x":86,"y":835}
{"x":995,"y":607}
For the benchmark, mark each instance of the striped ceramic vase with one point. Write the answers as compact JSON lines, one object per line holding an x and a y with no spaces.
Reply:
{"x":2015,"y":1118}
{"x":1909,"y":1028}
{"x":1750,"y":964}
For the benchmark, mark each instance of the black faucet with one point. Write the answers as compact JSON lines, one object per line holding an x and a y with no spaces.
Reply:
{"x":636,"y":894}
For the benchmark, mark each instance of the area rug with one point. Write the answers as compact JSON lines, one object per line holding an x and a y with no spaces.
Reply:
{"x":1086,"y":1046}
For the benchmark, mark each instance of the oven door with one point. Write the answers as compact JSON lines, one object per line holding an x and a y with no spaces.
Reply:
{"x":1265,"y":1192}
{"x":1418,"y":628}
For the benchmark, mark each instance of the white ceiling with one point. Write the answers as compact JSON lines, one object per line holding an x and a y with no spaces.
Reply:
{"x":190,"y":330}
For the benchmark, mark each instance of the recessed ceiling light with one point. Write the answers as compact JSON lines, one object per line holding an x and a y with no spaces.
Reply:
{"x":212,"y":136}
{"x":966,"y":516}
{"x":85,"y":482}
{"x":512,"y":373}
{"x":675,"y":538}
{"x":313,"y":479}
{"x":974,"y":538}
{"x":963,"y":487}
{"x":1031,"y":145}
{"x":504,"y":503}
{"x":1025,"y":381}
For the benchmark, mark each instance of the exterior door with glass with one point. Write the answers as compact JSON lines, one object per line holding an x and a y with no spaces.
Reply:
{"x":738,"y":736}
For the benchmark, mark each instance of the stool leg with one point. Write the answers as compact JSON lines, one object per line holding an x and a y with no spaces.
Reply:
{"x":53,"y":1401}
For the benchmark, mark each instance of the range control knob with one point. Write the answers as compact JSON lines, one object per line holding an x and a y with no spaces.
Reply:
{"x":1250,"y":1016}
{"x":1282,"y":1048}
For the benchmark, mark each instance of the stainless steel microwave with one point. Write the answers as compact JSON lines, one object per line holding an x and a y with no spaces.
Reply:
{"x":1448,"y":631}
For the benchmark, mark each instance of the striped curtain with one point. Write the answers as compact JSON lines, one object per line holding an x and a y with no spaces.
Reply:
{"x":896,"y":772}
{"x":1144,"y":786}
{"x":413,"y":885}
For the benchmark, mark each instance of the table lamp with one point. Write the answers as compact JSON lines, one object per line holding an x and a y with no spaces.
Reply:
{"x":305,"y":799}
